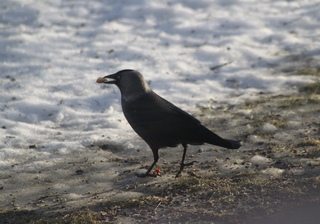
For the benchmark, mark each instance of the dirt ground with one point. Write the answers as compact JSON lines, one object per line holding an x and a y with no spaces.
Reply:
{"x":273,"y":178}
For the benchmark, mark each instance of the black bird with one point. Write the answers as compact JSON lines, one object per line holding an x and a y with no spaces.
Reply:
{"x":157,"y":121}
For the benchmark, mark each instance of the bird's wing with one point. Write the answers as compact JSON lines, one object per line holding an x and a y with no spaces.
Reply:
{"x":159,"y":122}
{"x":152,"y":113}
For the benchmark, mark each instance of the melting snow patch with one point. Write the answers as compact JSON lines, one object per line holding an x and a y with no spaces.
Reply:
{"x":255,"y":139}
{"x":283,"y":137}
{"x":260,"y":160}
{"x":274,"y":172}
{"x":268,"y":128}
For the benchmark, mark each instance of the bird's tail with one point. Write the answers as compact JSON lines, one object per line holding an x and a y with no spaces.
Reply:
{"x":232,"y":144}
{"x":212,"y":138}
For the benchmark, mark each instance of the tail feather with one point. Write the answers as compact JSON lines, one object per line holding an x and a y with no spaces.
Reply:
{"x":233,"y":144}
{"x":212,"y":138}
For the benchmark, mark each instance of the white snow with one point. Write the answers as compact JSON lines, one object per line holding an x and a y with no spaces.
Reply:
{"x":52,"y":52}
{"x":257,"y":159}
{"x":273,"y":172}
{"x":268,"y":128}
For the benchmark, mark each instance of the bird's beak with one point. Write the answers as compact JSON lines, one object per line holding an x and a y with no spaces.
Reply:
{"x":109,"y":79}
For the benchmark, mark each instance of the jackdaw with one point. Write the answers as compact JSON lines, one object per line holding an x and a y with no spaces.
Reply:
{"x":157,"y":121}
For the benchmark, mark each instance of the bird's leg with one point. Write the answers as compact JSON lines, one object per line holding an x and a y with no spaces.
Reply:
{"x":155,"y":160}
{"x":182,"y":165}
{"x":148,"y":173}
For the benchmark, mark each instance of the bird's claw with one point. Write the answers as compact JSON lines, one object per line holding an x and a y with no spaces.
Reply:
{"x":178,"y":174}
{"x":150,"y":174}
{"x":183,"y":165}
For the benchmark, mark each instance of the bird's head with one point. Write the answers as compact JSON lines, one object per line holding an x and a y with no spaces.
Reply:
{"x":130,"y":82}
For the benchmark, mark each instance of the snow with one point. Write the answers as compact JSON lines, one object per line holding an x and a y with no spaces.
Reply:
{"x":268,"y":128}
{"x":193,"y":53}
{"x":274,"y":172}
{"x":257,"y":159}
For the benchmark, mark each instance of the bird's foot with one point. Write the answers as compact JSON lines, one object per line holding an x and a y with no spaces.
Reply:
{"x":178,"y":174}
{"x":150,"y":174}
{"x":183,"y":165}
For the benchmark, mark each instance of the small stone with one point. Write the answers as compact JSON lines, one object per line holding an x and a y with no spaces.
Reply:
{"x":79,"y":172}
